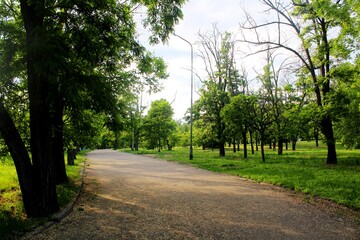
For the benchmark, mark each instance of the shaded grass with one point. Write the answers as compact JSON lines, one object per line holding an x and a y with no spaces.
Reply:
{"x":12,"y":213}
{"x":303,"y":170}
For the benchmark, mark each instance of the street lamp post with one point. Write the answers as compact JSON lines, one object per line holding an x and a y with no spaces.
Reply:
{"x":191,"y":94}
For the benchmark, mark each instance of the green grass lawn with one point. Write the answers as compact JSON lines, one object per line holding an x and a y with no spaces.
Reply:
{"x":12,"y":215}
{"x":303,"y":170}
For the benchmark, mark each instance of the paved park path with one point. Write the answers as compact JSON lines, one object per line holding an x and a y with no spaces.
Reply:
{"x":136,"y":197}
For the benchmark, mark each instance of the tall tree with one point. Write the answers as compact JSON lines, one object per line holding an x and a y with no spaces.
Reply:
{"x":218,"y":52}
{"x":260,"y":116}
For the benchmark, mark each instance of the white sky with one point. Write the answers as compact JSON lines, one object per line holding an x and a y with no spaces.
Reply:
{"x":199,"y":15}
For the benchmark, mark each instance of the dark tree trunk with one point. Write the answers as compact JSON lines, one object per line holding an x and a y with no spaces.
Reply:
{"x":257,"y":143}
{"x":71,"y":156}
{"x":316,"y":135}
{"x":169,"y":147}
{"x":44,"y":187}
{"x":270,"y":144}
{"x":238,"y":145}
{"x":287,"y":144}
{"x":222,"y":149}
{"x":252,"y":143}
{"x":280,"y":146}
{"x":57,"y":142}
{"x":136,"y":143}
{"x":327,"y":129}
{"x":234,"y":145}
{"x":21,"y":160}
{"x":245,"y":143}
{"x":262,"y":142}
{"x":274,"y":145}
{"x":294,"y":144}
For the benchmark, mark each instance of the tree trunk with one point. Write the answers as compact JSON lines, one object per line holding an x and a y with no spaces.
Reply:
{"x":327,"y":129}
{"x":262,"y":148}
{"x":222,"y":149}
{"x":280,"y":146}
{"x":245,"y":143}
{"x":257,"y":143}
{"x":287,"y":144}
{"x":234,"y":145}
{"x":316,"y":135}
{"x":294,"y":144}
{"x":44,"y":185}
{"x":21,"y":160}
{"x":252,"y":143}
{"x":71,"y":157}
{"x":57,"y":142}
{"x":169,"y":147}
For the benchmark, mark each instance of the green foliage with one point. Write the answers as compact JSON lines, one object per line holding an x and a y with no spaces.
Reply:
{"x":346,"y":104}
{"x":158,"y":125}
{"x":161,"y":17}
{"x":303,"y":170}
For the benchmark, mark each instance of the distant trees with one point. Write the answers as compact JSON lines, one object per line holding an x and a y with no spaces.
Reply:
{"x":158,"y":125}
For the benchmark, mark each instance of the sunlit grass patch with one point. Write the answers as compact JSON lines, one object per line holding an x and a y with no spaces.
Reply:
{"x":12,"y":213}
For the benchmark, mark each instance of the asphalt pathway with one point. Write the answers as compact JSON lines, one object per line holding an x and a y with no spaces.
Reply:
{"x":136,"y":197}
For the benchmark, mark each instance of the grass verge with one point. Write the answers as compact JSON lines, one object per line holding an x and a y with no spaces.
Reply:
{"x":303,"y":170}
{"x":12,"y":213}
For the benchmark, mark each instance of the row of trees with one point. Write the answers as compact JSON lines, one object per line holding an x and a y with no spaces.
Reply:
{"x":62,"y":63}
{"x":309,"y":76}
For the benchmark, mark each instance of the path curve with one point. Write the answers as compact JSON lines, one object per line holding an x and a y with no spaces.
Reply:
{"x":136,"y":197}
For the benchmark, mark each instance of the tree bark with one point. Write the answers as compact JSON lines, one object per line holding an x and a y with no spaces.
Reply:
{"x":252,"y":143}
{"x":234,"y":145}
{"x":316,"y":136}
{"x":244,"y":143}
{"x":262,"y":142}
{"x":71,"y":155}
{"x":44,"y":185}
{"x":57,"y":142}
{"x":280,"y":146}
{"x":222,"y":149}
{"x":21,"y":160}
{"x":257,"y":143}
{"x":294,"y":140}
{"x":327,"y":129}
